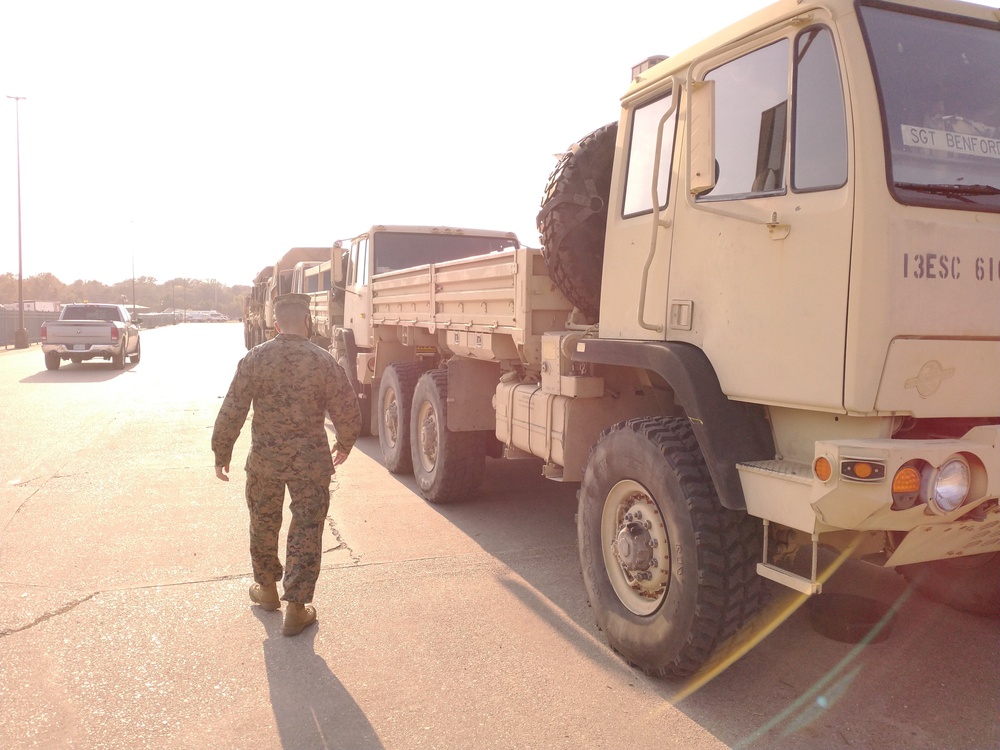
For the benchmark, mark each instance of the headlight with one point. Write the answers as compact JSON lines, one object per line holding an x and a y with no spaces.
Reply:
{"x":950,"y":485}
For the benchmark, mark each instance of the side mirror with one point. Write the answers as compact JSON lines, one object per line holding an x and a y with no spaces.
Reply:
{"x":337,"y":265}
{"x":702,"y":167}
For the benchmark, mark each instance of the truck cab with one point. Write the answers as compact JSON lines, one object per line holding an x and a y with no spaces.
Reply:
{"x":800,"y":257}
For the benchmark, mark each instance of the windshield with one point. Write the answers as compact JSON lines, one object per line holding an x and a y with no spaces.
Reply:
{"x":396,"y":250}
{"x":91,"y":312}
{"x":937,"y":77}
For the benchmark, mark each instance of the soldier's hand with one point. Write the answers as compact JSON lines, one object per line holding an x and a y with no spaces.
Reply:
{"x":221,"y":472}
{"x":338,"y":457}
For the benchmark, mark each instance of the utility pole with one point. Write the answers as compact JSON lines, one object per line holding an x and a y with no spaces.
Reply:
{"x":21,"y":334}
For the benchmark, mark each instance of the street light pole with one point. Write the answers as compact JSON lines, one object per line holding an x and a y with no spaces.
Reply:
{"x":21,"y":334}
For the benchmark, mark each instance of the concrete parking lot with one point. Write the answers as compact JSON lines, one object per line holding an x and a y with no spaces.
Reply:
{"x":125,"y":622}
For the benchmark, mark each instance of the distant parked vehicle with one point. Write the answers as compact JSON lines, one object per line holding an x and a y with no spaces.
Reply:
{"x":91,"y":331}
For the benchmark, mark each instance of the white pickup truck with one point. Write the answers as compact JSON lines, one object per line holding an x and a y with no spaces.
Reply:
{"x":91,"y":331}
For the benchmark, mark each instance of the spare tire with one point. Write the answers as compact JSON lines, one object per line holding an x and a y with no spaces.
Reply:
{"x":574,"y":218}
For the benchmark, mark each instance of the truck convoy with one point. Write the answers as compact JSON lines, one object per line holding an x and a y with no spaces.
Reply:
{"x":258,"y":306}
{"x":764,"y":321}
{"x":91,"y":331}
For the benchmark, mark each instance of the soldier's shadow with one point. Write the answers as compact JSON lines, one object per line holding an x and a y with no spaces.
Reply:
{"x":311,"y":706}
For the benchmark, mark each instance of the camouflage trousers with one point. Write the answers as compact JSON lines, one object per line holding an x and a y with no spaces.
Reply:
{"x":304,"y":549}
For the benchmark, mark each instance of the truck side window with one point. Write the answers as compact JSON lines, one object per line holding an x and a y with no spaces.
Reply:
{"x":819,"y":141}
{"x":642,"y":147}
{"x":362,"y":261}
{"x":751,"y":106}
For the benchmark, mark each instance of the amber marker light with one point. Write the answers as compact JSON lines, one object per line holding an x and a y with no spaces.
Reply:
{"x":905,"y":487}
{"x":906,"y":481}
{"x":823,"y":469}
{"x":862,"y":471}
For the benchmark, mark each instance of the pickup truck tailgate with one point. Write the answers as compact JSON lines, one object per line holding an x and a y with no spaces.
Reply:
{"x":80,"y":334}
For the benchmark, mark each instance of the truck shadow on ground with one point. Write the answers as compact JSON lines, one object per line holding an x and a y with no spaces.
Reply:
{"x":79,"y":373}
{"x":796,"y":688}
{"x":312,"y":708}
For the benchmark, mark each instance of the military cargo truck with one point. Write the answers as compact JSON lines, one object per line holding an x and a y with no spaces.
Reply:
{"x":254,"y":324}
{"x":326,"y":296}
{"x":380,"y":251}
{"x":768,"y":322}
{"x":258,"y":323}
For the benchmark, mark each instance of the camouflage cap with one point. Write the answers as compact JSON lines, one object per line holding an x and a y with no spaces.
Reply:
{"x":286,"y":300}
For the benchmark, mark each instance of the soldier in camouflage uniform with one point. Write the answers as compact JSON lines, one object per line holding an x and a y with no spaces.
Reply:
{"x":292,"y":384}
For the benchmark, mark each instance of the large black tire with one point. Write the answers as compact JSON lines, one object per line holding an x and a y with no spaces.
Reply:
{"x":394,"y":396}
{"x":670,"y":573}
{"x":52,"y":361}
{"x":134,"y":359}
{"x":448,"y":465}
{"x":969,"y":584}
{"x":574,"y":218}
{"x":118,"y":358}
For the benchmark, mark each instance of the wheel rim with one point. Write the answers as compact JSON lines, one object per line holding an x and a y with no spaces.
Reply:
{"x":390,"y":417}
{"x":427,"y":436}
{"x":636,"y":547}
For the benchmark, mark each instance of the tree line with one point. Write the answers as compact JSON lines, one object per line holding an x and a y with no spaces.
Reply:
{"x":178,"y":294}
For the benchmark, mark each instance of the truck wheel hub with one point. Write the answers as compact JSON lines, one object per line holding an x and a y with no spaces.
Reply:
{"x":427,"y":435}
{"x":391,"y":418}
{"x":637,"y":547}
{"x":633,"y":547}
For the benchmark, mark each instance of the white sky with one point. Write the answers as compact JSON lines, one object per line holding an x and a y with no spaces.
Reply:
{"x":204,"y":138}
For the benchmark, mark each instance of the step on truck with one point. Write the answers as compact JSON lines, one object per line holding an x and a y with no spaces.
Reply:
{"x":765,"y":320}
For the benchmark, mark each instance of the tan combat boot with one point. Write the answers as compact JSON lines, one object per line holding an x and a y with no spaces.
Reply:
{"x":298,"y":617}
{"x":265,"y":596}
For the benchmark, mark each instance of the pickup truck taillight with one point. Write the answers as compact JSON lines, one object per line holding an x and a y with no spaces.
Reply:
{"x":45,"y":332}
{"x":114,"y":333}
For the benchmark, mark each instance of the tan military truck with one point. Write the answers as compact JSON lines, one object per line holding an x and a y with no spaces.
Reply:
{"x":784,"y":261}
{"x":326,"y":295}
{"x":258,"y":324}
{"x":254,"y":322}
{"x":380,"y":252}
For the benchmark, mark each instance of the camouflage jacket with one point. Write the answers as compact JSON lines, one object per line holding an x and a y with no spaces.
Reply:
{"x":292,"y":384}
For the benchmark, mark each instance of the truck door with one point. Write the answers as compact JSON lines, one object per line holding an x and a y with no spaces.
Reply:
{"x":357,"y":302}
{"x":762,"y":257}
{"x":638,"y":240}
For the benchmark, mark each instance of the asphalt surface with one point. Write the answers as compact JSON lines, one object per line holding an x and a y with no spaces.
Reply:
{"x":125,"y":622}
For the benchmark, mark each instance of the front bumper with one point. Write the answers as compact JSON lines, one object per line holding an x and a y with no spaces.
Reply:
{"x":795,"y":497}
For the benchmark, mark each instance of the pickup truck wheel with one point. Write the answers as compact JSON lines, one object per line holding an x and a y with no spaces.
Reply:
{"x":394,"y":396}
{"x":574,"y":217}
{"x":670,"y":573}
{"x":52,"y":361}
{"x":118,"y":359}
{"x":969,"y":584}
{"x":134,"y":359}
{"x":447,"y":465}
